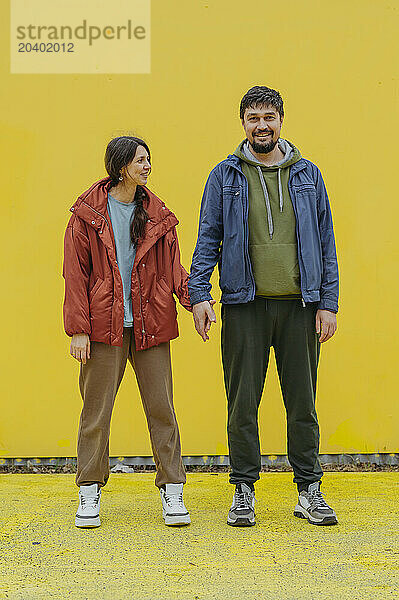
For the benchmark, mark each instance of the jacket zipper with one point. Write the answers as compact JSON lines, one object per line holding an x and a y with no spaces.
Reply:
{"x":141,"y":312}
{"x":245,"y":220}
{"x":246,"y":239}
{"x":96,"y":211}
{"x":292,"y":194}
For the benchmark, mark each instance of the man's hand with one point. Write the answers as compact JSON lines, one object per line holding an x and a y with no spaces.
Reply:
{"x":204,"y":316}
{"x":326,"y":324}
{"x":80,"y":347}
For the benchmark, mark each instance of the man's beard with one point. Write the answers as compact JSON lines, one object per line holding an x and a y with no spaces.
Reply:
{"x":264,"y":148}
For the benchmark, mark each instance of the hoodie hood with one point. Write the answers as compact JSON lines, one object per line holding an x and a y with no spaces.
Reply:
{"x":291,"y":156}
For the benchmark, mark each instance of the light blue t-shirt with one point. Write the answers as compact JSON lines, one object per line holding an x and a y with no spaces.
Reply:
{"x":122,"y":214}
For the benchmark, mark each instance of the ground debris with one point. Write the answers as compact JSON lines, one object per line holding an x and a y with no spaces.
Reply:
{"x":212,"y":469}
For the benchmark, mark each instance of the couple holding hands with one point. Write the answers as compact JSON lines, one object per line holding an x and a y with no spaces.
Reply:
{"x":265,"y":219}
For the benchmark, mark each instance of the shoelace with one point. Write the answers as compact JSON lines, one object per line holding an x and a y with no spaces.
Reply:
{"x":243,"y":500}
{"x":93,"y":500}
{"x":174,"y":500}
{"x":317,"y":499}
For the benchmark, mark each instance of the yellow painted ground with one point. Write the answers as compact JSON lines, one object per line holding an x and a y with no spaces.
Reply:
{"x":134,"y":556}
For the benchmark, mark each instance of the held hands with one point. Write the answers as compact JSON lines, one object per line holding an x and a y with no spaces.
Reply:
{"x":204,"y":316}
{"x":326,"y":324}
{"x":80,"y":347}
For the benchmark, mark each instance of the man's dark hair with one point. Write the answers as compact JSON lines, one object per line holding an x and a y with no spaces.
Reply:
{"x":258,"y":96}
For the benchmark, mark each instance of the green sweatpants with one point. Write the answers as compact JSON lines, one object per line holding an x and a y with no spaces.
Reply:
{"x":248,"y":332}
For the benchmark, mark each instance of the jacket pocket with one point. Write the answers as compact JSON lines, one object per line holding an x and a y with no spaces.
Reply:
{"x":163,"y":307}
{"x":164,"y":286}
{"x":95,"y":287}
{"x":232,"y":209}
{"x":231,"y":190}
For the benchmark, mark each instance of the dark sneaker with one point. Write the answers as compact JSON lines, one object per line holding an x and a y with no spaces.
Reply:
{"x":242,"y":511}
{"x":312,"y":506}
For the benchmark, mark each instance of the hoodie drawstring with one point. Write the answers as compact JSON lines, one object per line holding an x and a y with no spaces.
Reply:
{"x":280,"y":191}
{"x":267,"y":201}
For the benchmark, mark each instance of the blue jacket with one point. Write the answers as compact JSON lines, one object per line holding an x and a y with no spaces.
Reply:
{"x":223,"y":236}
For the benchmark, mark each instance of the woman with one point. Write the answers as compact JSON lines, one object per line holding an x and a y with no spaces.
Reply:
{"x":121,"y":268}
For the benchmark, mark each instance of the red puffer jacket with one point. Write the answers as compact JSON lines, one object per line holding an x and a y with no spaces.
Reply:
{"x":93,"y":301}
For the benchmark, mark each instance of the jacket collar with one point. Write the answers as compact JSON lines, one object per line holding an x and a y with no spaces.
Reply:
{"x":91,"y":207}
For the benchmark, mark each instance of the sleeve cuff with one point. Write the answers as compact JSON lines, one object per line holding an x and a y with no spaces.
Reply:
{"x":197,"y":297}
{"x":330,"y":305}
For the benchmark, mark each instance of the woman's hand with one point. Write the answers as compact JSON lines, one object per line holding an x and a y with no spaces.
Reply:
{"x":80,"y":347}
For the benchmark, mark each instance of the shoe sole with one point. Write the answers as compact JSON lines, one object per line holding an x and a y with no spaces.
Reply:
{"x":241,"y":523}
{"x":89,"y":523}
{"x":301,"y":513}
{"x":176,"y":521}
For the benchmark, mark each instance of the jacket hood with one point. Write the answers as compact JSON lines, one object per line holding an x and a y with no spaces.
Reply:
{"x":96,"y":197}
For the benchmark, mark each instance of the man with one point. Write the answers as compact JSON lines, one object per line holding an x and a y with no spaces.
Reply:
{"x":265,"y":218}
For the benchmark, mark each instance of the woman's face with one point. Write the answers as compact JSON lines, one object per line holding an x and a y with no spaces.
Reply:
{"x":140,"y":167}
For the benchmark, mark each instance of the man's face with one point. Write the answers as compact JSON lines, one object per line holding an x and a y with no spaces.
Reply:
{"x":262,"y":127}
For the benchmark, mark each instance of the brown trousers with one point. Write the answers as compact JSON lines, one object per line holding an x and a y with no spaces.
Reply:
{"x":99,"y":381}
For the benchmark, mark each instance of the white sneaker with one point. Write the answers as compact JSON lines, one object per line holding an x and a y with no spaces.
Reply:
{"x":173,"y":510}
{"x":88,"y":513}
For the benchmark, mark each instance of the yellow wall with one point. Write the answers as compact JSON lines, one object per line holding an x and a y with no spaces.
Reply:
{"x":333,"y":64}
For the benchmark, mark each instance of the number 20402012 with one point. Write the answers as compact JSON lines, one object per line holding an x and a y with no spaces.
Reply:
{"x":45,"y":47}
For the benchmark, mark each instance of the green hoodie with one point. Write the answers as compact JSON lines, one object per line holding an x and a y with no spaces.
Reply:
{"x":271,"y":222}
